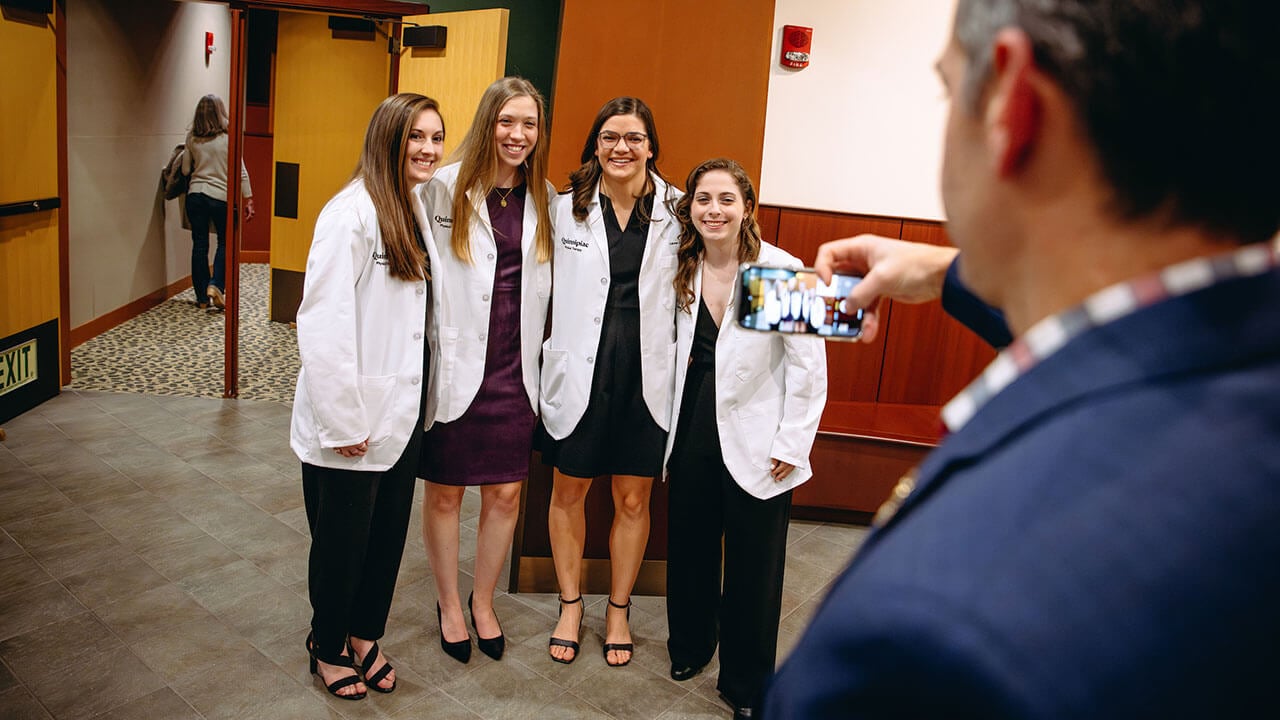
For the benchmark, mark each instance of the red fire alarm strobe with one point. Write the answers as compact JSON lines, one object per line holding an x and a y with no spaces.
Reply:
{"x":795,"y":46}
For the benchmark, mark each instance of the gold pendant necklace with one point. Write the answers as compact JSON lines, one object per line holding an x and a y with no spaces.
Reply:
{"x":502,"y":197}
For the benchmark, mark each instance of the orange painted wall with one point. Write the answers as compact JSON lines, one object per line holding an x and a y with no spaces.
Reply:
{"x":703,"y":67}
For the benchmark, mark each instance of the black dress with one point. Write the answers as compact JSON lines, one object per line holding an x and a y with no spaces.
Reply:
{"x":617,"y":434}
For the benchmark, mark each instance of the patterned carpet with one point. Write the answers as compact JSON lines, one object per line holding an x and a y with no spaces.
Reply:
{"x":176,"y":349}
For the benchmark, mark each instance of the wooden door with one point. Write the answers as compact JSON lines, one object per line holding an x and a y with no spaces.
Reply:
{"x":30,"y":276}
{"x":475,"y":54}
{"x":326,"y":89}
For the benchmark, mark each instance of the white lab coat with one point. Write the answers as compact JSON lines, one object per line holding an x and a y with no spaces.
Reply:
{"x":581,"y":283}
{"x":360,"y":334}
{"x":460,"y":311}
{"x":770,"y":392}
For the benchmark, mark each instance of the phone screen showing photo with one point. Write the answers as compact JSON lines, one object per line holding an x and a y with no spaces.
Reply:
{"x":796,"y":301}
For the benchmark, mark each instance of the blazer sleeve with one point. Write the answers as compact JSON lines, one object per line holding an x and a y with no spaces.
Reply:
{"x":327,"y":332}
{"x":805,"y":396}
{"x":961,"y":304}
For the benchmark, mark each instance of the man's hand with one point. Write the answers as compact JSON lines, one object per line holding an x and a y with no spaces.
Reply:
{"x":899,"y":270}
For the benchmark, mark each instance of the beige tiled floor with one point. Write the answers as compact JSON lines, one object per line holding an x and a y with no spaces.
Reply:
{"x":153,"y":566}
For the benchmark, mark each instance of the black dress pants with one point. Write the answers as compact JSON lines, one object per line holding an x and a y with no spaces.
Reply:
{"x":708,"y":508}
{"x":358,"y":525}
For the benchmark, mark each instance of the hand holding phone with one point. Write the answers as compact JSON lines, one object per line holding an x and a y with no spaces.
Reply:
{"x":796,"y":301}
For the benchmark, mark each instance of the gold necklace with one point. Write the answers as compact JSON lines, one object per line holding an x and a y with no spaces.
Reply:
{"x":502,"y":197}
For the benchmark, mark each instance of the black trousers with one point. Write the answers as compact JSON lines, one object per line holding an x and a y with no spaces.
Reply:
{"x":358,"y":525}
{"x":742,"y":611}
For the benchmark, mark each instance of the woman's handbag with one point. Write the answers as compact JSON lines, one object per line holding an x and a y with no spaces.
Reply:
{"x":172,"y":180}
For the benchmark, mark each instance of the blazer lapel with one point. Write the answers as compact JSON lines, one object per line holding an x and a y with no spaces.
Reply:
{"x":529,"y":224}
{"x":595,"y":225}
{"x":659,"y":220}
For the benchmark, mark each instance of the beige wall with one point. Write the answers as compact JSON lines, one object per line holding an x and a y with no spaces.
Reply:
{"x":860,"y":129}
{"x":135,"y":69}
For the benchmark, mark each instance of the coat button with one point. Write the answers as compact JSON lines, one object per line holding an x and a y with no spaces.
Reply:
{"x":417,"y":336}
{"x":489,"y":256}
{"x":604,"y":281}
{"x":416,"y":379}
{"x":590,"y":359}
{"x":485,"y":297}
{"x":420,"y":291}
{"x":483,"y":337}
{"x":597,"y":320}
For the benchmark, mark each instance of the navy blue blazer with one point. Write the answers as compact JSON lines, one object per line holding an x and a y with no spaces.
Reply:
{"x":1102,"y":540}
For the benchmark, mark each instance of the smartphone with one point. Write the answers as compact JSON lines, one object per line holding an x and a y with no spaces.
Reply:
{"x":796,"y":301}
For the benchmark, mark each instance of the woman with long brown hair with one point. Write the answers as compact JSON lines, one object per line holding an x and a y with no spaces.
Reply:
{"x":492,"y":260}
{"x":607,"y":371}
{"x":746,"y":413}
{"x":358,"y":412}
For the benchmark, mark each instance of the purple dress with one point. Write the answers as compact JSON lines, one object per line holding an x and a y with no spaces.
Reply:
{"x":492,"y":441}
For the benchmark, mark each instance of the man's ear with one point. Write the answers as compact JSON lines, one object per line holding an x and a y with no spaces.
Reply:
{"x":1013,"y":113}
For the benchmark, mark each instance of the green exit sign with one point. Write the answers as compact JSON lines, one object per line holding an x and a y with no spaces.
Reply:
{"x":17,"y":366}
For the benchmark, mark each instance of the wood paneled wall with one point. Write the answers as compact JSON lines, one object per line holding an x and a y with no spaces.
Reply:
{"x":703,"y":67}
{"x":883,"y":398}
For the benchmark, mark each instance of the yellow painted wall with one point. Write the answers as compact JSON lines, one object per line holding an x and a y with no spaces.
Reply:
{"x":475,"y":54}
{"x":28,"y":171}
{"x":325,"y":92}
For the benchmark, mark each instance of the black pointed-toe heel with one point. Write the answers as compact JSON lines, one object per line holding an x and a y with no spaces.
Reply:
{"x":561,"y":642}
{"x":494,"y":646}
{"x":461,"y":650}
{"x":340,"y":661}
{"x":371,"y":680}
{"x":619,"y":647}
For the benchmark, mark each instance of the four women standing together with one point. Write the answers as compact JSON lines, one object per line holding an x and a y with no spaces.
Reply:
{"x":638,"y":322}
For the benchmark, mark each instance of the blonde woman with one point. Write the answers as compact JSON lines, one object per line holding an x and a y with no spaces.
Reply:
{"x":492,"y":253}
{"x":358,"y":411}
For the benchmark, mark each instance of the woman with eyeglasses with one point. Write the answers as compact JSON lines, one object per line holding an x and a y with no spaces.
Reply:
{"x":491,"y":223}
{"x":746,"y":417}
{"x":607,"y":369}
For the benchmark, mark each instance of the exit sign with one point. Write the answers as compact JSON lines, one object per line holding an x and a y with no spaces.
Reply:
{"x":18,"y":366}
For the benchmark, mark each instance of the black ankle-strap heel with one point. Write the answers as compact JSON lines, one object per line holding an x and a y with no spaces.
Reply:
{"x":618,"y":647}
{"x":561,"y":642}
{"x":313,"y":650}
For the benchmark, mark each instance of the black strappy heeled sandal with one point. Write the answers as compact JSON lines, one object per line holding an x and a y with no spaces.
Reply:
{"x":340,"y":661}
{"x":560,"y":642}
{"x":494,"y":646}
{"x":371,"y":681}
{"x":618,"y":647}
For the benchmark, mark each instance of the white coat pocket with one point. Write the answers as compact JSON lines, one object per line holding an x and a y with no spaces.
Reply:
{"x":376,"y":391}
{"x":554,"y":375}
{"x":756,"y":432}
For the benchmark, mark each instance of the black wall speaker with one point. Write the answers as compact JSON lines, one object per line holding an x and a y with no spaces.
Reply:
{"x":348,"y":26}
{"x":429,"y":36}
{"x":36,"y":6}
